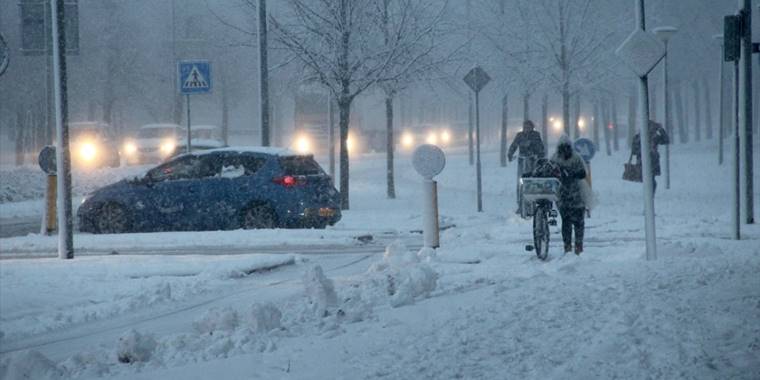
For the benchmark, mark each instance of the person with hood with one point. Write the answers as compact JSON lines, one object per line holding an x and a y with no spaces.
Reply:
{"x":531,"y":147}
{"x":657,"y":136}
{"x":571,"y":200}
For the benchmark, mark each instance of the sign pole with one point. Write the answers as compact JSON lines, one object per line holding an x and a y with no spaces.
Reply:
{"x":189,"y":139}
{"x":63,"y":156}
{"x":477,"y":149}
{"x":745,"y":117}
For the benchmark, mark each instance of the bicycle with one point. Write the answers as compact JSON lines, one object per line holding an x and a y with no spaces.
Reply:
{"x":541,"y":190}
{"x":525,"y":166}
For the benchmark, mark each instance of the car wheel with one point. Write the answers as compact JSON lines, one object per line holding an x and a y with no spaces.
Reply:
{"x":112,"y":218}
{"x":258,"y":217}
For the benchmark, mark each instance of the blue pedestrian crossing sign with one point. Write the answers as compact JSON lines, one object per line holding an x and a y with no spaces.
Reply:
{"x":585,"y":148}
{"x":194,"y":77}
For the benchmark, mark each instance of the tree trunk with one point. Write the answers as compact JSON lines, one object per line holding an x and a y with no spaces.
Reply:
{"x":566,"y":107}
{"x":577,"y":118}
{"x":606,"y":126}
{"x":389,"y":144}
{"x":344,"y":108}
{"x":19,"y":135}
{"x":615,"y":135}
{"x":697,"y":111}
{"x":503,"y":135}
{"x":683,"y":132}
{"x":596,"y":124}
{"x":631,"y":118}
{"x":545,"y":122}
{"x":526,"y":106}
{"x":708,"y":109}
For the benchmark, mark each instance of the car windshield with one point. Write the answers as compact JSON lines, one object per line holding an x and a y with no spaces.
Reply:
{"x":300,"y":165}
{"x":150,"y":133}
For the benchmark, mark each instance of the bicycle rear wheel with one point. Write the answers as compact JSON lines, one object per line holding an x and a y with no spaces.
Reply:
{"x":541,"y":233}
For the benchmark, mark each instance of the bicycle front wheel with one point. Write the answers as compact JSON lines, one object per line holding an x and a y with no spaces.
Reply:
{"x":541,"y":233}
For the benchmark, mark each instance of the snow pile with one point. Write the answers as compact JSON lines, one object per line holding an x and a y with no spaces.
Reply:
{"x":215,"y":319}
{"x":134,"y":347}
{"x":404,"y":275}
{"x":320,"y":291}
{"x":265,"y":317}
{"x":29,"y":365}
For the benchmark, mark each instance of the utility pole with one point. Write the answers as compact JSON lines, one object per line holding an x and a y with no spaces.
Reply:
{"x":263,"y":74}
{"x":731,"y":53}
{"x":63,"y":156}
{"x":745,"y":95}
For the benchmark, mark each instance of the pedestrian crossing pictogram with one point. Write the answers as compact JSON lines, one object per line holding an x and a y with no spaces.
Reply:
{"x":194,"y":77}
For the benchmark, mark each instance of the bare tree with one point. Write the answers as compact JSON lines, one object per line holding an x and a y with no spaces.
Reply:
{"x":337,"y":43}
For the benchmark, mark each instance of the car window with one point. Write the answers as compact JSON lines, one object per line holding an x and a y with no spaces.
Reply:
{"x":300,"y":165}
{"x":183,"y":168}
{"x":240,"y":165}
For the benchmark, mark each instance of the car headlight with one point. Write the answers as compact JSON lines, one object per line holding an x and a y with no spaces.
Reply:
{"x":303,"y":144}
{"x":445,"y":137}
{"x":88,"y":151}
{"x":130,"y":148}
{"x":407,"y":140}
{"x":168,"y":147}
{"x":432,"y":139}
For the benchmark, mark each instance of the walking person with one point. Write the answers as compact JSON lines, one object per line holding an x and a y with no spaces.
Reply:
{"x":571,"y":203}
{"x":531,"y":148}
{"x":657,"y":136}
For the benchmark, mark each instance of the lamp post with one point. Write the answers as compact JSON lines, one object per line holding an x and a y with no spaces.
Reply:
{"x":665,"y":33}
{"x":721,"y":100}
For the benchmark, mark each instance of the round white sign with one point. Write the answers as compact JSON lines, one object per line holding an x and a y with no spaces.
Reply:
{"x":428,"y":160}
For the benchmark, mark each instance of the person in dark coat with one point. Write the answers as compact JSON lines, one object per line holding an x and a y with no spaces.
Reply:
{"x":571,"y":204}
{"x":531,"y":147}
{"x":657,"y":136}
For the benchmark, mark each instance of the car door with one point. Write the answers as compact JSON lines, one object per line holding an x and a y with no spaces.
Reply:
{"x":172,"y":195}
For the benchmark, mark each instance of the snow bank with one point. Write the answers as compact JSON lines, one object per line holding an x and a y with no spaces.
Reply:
{"x":29,"y":365}
{"x":403,"y":274}
{"x":134,"y":347}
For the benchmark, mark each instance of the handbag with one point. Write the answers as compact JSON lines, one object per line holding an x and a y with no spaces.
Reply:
{"x":632,"y":172}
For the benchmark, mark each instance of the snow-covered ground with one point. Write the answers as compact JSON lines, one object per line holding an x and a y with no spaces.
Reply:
{"x":480,"y":307}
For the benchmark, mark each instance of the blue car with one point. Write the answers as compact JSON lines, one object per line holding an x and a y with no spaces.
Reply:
{"x":218,"y":189}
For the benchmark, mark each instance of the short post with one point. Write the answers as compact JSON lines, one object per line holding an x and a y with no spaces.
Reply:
{"x":429,"y":160}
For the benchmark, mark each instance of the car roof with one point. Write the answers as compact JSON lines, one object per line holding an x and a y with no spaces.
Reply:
{"x":203,"y":127}
{"x":87,"y":124}
{"x":160,"y":126}
{"x":268,"y":150}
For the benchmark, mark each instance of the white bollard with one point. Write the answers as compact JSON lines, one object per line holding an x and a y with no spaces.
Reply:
{"x":429,"y":161}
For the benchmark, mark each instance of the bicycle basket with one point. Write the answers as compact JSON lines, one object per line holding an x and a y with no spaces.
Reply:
{"x":534,"y":189}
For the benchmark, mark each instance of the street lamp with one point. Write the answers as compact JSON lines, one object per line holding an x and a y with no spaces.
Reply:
{"x":665,"y":33}
{"x":721,"y":97}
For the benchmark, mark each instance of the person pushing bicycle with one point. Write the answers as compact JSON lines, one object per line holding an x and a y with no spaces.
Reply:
{"x":571,"y":203}
{"x":531,"y":149}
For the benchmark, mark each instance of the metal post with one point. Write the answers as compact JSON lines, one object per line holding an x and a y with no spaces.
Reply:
{"x":189,"y":139}
{"x":331,"y":135}
{"x":668,"y":119}
{"x":745,"y":117}
{"x":470,"y":129}
{"x":646,"y":158}
{"x":63,"y":156}
{"x":263,"y":74}
{"x":477,"y":143}
{"x":721,"y":101}
{"x":736,"y":194}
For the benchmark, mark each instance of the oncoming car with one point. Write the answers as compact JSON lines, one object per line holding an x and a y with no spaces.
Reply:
{"x":202,"y":137}
{"x":91,"y":146}
{"x":153,"y":144}
{"x":217,"y":189}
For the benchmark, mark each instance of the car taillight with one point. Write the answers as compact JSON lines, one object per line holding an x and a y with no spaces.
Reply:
{"x":289,"y":181}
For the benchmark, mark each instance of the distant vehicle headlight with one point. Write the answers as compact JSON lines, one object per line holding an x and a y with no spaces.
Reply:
{"x":432,"y":138}
{"x":445,"y":137}
{"x":88,"y":151}
{"x":130,"y":148}
{"x":168,"y":147}
{"x":302,"y":144}
{"x":407,"y":140}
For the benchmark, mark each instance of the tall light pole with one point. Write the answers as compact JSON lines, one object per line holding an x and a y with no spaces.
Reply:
{"x":263,"y":74}
{"x":721,"y":100}
{"x":665,"y":33}
{"x":745,"y":116}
